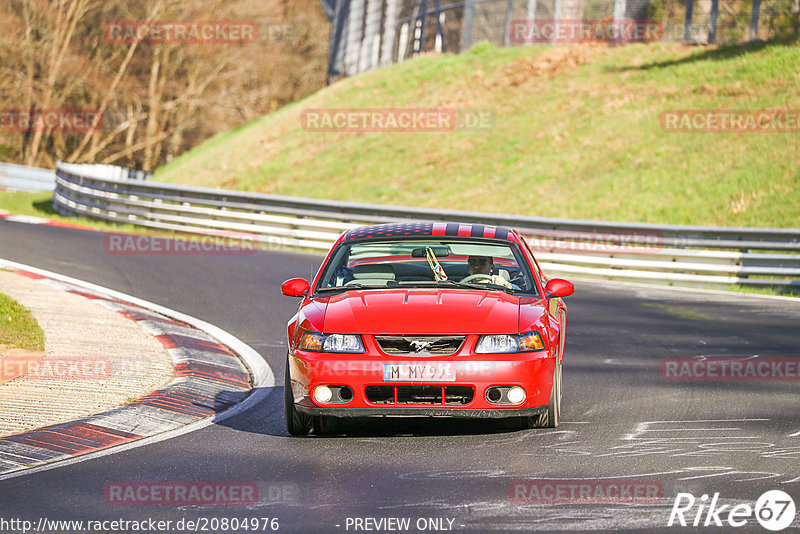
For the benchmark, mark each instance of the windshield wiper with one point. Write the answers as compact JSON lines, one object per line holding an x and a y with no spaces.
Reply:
{"x":339,"y":288}
{"x":461,"y":284}
{"x":453,"y":283}
{"x":347,"y":287}
{"x":474,"y":285}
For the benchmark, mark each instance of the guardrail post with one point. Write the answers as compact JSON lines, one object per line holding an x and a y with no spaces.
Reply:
{"x":620,"y":7}
{"x":389,"y":31}
{"x":336,"y":45}
{"x":419,"y":40}
{"x":712,"y":22}
{"x":507,"y":27}
{"x":754,"y":20}
{"x":439,"y":30}
{"x":557,"y":15}
{"x":466,"y":28}
{"x":687,"y":22}
{"x":530,"y":12}
{"x":355,"y":36}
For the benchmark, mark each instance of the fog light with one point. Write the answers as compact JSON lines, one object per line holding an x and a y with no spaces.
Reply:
{"x":515,"y":395}
{"x":323,"y":394}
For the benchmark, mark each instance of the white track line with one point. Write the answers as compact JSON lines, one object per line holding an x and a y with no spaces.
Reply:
{"x":262,"y":374}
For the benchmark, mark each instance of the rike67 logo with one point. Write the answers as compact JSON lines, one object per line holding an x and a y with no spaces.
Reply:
{"x":774,"y":510}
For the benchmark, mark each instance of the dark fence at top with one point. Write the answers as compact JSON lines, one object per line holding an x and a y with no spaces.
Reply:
{"x":370,"y":33}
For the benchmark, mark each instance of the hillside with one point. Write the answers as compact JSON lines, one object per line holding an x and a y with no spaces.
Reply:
{"x":577,"y":134}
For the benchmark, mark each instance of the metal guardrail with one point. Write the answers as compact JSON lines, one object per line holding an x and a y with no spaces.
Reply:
{"x":112,"y":172}
{"x":15,"y":177}
{"x":30,"y":179}
{"x":670,"y":254}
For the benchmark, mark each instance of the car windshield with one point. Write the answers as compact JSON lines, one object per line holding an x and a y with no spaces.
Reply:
{"x":428,"y":263}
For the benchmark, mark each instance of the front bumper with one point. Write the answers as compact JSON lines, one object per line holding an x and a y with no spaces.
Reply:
{"x":533,"y":371}
{"x":421,"y":411}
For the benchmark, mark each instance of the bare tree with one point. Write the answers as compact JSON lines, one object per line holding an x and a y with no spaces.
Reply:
{"x":156,"y":99}
{"x":67,"y":15}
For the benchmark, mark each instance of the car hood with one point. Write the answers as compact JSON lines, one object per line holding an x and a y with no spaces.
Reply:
{"x":422,"y":311}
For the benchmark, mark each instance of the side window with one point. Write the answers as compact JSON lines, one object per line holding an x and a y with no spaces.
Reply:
{"x":541,"y":276}
{"x":336,"y":270}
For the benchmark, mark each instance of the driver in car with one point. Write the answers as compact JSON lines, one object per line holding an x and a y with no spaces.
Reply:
{"x":484,"y":265}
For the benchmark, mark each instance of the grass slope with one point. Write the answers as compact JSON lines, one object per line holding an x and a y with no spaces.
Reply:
{"x":577,"y":135}
{"x":18,"y":328}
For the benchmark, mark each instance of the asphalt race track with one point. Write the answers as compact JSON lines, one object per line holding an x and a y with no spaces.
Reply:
{"x":621,"y":421}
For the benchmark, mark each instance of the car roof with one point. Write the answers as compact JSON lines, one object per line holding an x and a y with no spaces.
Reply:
{"x":426,"y":229}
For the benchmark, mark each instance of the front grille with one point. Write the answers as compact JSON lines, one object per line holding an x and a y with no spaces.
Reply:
{"x":420,"y":345}
{"x":452,"y":395}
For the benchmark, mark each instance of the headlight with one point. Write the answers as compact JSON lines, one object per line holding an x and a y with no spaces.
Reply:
{"x":314,"y":341}
{"x":322,"y":394}
{"x":343,"y":343}
{"x":503,"y":343}
{"x":515,"y":395}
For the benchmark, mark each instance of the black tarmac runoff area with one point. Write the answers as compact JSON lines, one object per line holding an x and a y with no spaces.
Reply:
{"x":655,"y":433}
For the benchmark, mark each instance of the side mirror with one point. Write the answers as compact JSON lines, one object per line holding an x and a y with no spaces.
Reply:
{"x":558,"y":287}
{"x":295,"y":287}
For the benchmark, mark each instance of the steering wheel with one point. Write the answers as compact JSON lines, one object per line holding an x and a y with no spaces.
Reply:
{"x":480,"y":277}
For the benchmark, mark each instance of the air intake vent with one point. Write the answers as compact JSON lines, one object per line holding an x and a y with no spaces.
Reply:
{"x":400,"y":395}
{"x":420,"y":345}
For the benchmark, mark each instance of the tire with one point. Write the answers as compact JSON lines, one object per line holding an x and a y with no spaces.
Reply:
{"x":549,"y":419}
{"x":297,"y":424}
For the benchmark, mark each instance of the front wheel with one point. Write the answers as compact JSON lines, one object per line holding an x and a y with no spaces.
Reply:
{"x":549,"y":419}
{"x":297,"y":424}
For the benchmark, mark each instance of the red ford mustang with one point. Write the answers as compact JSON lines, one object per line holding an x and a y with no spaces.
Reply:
{"x":426,"y":319}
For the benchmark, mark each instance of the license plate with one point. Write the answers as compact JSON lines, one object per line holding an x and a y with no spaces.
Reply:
{"x":419,"y":372}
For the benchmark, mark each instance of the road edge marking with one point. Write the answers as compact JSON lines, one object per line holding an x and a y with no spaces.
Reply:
{"x":262,"y":376}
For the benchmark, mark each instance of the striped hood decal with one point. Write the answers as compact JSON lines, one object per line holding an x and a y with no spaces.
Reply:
{"x":426,"y":229}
